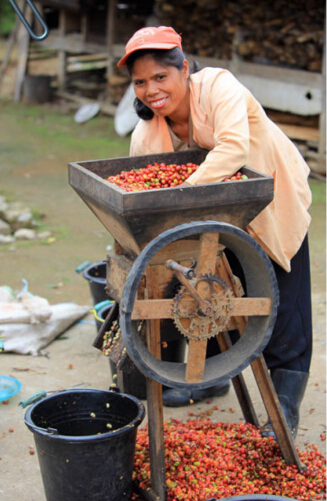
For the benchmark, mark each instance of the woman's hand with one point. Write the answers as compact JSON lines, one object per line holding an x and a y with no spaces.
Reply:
{"x":184,"y":184}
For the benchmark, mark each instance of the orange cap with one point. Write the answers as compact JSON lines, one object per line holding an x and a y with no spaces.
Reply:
{"x":151,"y":38}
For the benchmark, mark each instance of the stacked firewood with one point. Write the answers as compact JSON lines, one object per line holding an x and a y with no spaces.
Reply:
{"x":283,"y":32}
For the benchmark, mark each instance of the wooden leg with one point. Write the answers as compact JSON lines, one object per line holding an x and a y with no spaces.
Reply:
{"x":156,"y":438}
{"x":154,"y":402}
{"x":239,"y":385}
{"x":263,"y":380}
{"x":275,"y":413}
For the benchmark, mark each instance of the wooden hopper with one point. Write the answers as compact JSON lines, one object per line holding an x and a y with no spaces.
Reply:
{"x":136,"y":218}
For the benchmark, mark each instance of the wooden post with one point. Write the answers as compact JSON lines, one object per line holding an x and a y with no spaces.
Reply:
{"x":62,"y":53}
{"x":110,"y":35}
{"x":322,"y":117}
{"x":10,"y":46}
{"x":68,"y":21}
{"x":38,"y":28}
{"x":236,"y":59}
{"x":23,"y":47}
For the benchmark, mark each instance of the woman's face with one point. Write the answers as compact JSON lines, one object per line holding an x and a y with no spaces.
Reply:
{"x":164,"y":89}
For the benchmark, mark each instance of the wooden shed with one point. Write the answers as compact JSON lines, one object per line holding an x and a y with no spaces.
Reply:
{"x":276,"y":49}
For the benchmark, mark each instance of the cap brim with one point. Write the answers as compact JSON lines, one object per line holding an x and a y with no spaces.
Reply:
{"x":122,"y":61}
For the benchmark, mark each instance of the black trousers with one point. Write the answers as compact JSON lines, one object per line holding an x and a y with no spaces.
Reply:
{"x":290,"y":345}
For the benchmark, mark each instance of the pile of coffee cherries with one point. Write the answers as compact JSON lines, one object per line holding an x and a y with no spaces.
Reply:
{"x":207,"y":459}
{"x":153,"y":177}
{"x":156,"y":176}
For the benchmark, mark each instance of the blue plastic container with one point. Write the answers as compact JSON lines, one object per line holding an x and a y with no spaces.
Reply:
{"x":9,"y":386}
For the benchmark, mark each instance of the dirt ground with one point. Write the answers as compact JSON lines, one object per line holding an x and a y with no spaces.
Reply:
{"x":33,"y":166}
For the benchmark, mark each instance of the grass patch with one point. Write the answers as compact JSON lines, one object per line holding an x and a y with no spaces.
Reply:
{"x":318,"y":189}
{"x":47,"y":129}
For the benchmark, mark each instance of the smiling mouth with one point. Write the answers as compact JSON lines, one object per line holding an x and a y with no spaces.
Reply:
{"x":158,"y":104}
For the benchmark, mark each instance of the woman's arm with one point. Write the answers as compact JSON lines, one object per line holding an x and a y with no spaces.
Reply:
{"x":224,"y":103}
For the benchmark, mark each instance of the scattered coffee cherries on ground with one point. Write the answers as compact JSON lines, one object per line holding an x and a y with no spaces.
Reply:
{"x":207,"y":459}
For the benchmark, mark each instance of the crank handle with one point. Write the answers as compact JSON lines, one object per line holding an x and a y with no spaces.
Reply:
{"x":205,"y":307}
{"x":186,"y":272}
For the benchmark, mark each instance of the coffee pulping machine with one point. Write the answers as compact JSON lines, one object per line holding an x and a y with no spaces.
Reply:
{"x":186,"y":234}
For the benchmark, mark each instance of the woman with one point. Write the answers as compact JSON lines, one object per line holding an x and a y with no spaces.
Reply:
{"x":212,"y":110}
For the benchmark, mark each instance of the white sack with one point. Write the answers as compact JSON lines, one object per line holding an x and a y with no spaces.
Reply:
{"x":25,"y":309}
{"x":27,"y":338}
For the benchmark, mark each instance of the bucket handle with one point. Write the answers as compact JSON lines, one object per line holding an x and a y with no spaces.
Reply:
{"x":36,"y":397}
{"x":98,"y":307}
{"x":25,"y":23}
{"x":42,"y":394}
{"x":33,"y":399}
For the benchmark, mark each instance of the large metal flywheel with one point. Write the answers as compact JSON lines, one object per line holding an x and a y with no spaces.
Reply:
{"x":205,"y":306}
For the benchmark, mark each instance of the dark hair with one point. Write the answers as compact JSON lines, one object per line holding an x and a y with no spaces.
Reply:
{"x":172,"y":57}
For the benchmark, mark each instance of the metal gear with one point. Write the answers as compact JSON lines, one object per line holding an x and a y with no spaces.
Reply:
{"x":189,"y":320}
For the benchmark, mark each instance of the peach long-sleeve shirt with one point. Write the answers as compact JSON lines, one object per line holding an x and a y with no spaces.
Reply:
{"x":229,"y":121}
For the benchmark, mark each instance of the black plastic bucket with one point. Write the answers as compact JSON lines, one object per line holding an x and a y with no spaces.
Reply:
{"x":102,"y":310}
{"x":96,"y":275}
{"x":85,"y":440}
